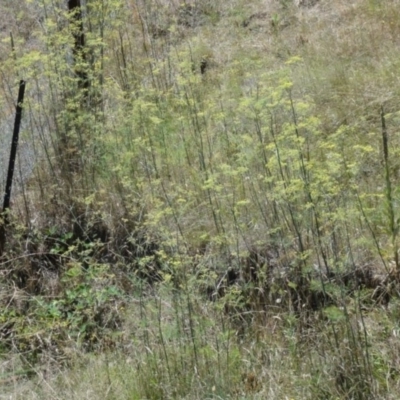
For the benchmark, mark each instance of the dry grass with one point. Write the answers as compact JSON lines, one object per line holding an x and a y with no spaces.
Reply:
{"x":192,"y":172}
{"x":280,"y":362}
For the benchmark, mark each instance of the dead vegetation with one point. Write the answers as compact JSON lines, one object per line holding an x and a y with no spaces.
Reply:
{"x":218,"y":216}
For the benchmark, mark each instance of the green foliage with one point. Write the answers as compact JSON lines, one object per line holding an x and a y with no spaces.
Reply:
{"x":207,"y":174}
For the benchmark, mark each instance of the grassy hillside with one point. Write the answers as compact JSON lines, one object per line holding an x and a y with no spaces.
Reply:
{"x":206,"y":203}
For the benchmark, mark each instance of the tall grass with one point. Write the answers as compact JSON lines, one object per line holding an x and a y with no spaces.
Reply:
{"x":213,"y":208}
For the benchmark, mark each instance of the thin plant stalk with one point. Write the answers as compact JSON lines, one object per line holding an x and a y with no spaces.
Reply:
{"x":389,"y":194}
